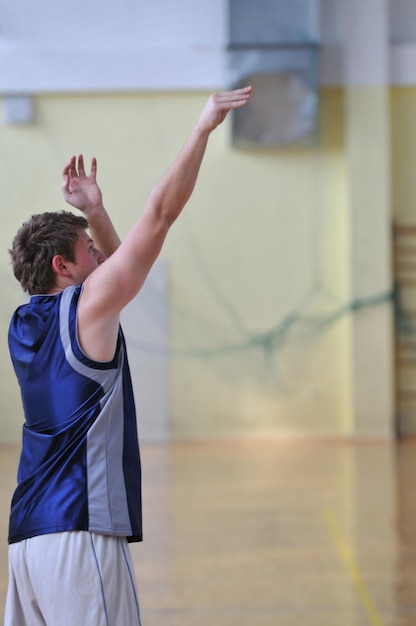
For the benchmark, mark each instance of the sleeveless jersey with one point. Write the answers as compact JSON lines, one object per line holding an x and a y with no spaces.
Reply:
{"x":79,"y":467}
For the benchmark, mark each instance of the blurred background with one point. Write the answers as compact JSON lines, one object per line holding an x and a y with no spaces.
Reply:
{"x":284,"y":301}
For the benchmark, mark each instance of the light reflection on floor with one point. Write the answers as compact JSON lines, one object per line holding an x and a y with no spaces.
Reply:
{"x":271,"y":534}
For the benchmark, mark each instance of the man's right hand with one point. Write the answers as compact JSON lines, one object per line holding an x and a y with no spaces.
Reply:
{"x":219,"y":104}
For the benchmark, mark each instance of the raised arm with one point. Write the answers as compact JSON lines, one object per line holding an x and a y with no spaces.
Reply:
{"x":171,"y":193}
{"x":114,"y":283}
{"x":82,"y":192}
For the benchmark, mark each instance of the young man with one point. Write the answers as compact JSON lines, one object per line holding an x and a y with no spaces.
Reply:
{"x":78,"y":499}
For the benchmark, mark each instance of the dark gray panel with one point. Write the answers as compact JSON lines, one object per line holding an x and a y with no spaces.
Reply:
{"x":273,"y":48}
{"x":273,"y":22}
{"x":282,"y":112}
{"x":402,"y":21}
{"x":283,"y":108}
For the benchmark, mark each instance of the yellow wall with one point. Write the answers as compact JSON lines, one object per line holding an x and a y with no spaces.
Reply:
{"x":263,"y":237}
{"x":403,"y":160}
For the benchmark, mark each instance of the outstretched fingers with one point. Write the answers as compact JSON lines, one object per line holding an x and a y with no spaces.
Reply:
{"x":233,"y":99}
{"x":75,"y":168}
{"x":68,"y":167}
{"x":66,"y":175}
{"x":81,"y":168}
{"x":220,"y":103}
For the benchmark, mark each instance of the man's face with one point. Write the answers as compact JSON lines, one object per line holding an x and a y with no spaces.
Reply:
{"x":87,"y":258}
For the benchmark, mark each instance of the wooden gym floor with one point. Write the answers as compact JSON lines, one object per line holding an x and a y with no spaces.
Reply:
{"x":270,"y":534}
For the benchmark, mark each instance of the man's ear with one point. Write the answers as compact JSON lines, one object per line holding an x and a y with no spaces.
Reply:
{"x":59,"y":266}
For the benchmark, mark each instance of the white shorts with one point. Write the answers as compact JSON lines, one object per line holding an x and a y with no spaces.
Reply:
{"x":72,"y":578}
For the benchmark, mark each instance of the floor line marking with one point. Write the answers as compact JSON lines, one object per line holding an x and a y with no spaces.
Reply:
{"x":347,"y":556}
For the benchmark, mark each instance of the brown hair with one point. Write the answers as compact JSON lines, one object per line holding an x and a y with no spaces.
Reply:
{"x":36,"y":243}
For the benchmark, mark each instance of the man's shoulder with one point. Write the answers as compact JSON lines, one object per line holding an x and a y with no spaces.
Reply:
{"x":31,"y":318}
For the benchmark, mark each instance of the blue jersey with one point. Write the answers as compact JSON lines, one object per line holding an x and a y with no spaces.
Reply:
{"x":80,"y":465}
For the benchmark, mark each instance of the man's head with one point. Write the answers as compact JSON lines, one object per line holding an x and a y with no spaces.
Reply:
{"x":38,"y":242}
